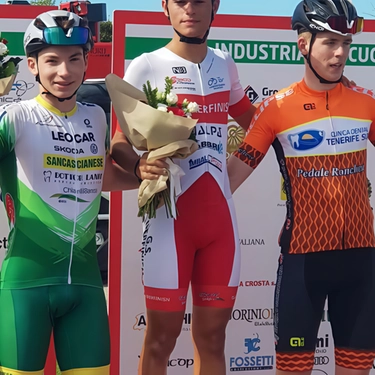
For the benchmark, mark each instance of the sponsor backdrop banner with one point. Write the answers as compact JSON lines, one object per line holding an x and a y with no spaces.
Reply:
{"x":267,"y":59}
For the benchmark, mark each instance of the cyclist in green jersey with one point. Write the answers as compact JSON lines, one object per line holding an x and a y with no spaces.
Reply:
{"x":53,"y":166}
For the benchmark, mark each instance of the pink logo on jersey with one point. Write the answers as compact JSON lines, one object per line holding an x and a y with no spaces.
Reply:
{"x":9,"y":207}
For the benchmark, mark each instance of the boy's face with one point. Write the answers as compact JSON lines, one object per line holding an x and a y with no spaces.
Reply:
{"x":61,"y":69}
{"x":191,"y":18}
{"x":329,"y":54}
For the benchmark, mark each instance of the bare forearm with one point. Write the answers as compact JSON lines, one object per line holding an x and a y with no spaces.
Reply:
{"x":116,"y":179}
{"x":123,"y":153}
{"x":238,"y":172}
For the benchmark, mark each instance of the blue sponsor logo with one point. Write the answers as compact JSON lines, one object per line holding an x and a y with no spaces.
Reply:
{"x":195,"y":163}
{"x":306,"y":140}
{"x":216,"y":83}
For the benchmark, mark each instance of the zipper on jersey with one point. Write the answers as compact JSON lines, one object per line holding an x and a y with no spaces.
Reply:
{"x":343,"y":209}
{"x":71,"y":128}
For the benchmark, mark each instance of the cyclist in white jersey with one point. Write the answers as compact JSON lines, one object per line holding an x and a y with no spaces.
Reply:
{"x":201,"y":246}
{"x":53,"y":166}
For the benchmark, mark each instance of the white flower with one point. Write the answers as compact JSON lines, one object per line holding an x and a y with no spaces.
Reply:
{"x":162,"y":107}
{"x":160,"y":96}
{"x":172,"y":98}
{"x":193,"y":107}
{"x":3,"y":49}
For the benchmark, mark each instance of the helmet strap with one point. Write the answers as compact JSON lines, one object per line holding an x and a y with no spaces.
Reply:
{"x":193,"y":40}
{"x":46,"y":92}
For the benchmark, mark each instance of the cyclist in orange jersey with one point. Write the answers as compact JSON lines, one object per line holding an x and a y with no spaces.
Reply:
{"x":319,"y":130}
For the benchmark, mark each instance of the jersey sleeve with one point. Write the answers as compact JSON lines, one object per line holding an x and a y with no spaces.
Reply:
{"x":137,"y":74}
{"x":239,"y":103}
{"x":10,"y":127}
{"x":260,"y":136}
{"x":139,"y":71}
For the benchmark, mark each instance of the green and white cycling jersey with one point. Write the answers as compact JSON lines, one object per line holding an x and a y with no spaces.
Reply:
{"x":51,"y":171}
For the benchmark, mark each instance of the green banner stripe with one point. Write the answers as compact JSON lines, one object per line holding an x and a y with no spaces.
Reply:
{"x":253,"y":52}
{"x":15,"y":42}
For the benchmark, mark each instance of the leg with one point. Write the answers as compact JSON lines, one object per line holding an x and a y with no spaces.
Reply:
{"x":25,"y":327}
{"x":351,"y":307}
{"x":167,"y":260}
{"x":214,"y":283}
{"x":208,"y":330}
{"x":346,"y":371}
{"x":299,"y":303}
{"x":81,"y":329}
{"x":163,"y":328}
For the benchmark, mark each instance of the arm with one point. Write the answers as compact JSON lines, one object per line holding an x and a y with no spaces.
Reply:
{"x":124,"y":155}
{"x":115,"y":178}
{"x":244,"y":120}
{"x":238,"y":172}
{"x":240,"y":107}
{"x":253,"y":149}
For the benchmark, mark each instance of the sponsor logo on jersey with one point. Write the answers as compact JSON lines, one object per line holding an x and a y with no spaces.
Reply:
{"x":68,"y":150}
{"x":71,"y":163}
{"x":253,"y":360}
{"x":195,"y":163}
{"x":63,"y":198}
{"x":48,"y":121}
{"x":182,"y":81}
{"x":70,"y":190}
{"x":10,"y":210}
{"x":47,"y":176}
{"x":216,"y":83}
{"x":85,"y":178}
{"x":218,"y":147}
{"x":94,"y":148}
{"x":340,"y":137}
{"x":87,"y":122}
{"x":309,"y":106}
{"x":77,"y":138}
{"x":251,"y":94}
{"x":179,"y":70}
{"x":208,"y":130}
{"x":306,"y":140}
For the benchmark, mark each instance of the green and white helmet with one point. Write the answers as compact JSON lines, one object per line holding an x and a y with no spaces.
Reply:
{"x":57,"y":28}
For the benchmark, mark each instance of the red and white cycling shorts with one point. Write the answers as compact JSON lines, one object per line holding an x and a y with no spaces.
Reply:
{"x":201,"y":247}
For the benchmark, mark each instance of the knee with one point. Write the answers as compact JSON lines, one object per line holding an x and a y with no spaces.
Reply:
{"x":211,"y":342}
{"x":160,"y":345}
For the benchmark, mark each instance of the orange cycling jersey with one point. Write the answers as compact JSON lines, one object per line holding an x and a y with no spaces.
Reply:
{"x":320,"y":141}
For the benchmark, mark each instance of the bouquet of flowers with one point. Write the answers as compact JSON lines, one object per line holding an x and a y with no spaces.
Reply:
{"x":8,"y":69}
{"x":156,"y":122}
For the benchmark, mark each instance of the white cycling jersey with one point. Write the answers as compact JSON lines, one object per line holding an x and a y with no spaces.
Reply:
{"x":178,"y":252}
{"x":51,"y":170}
{"x":214,"y":85}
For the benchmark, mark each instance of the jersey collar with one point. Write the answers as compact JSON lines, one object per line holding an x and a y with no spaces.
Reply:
{"x":307,"y":90}
{"x":54,"y":110}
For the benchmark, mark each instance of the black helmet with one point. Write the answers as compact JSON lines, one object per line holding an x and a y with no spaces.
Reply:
{"x":337,"y":16}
